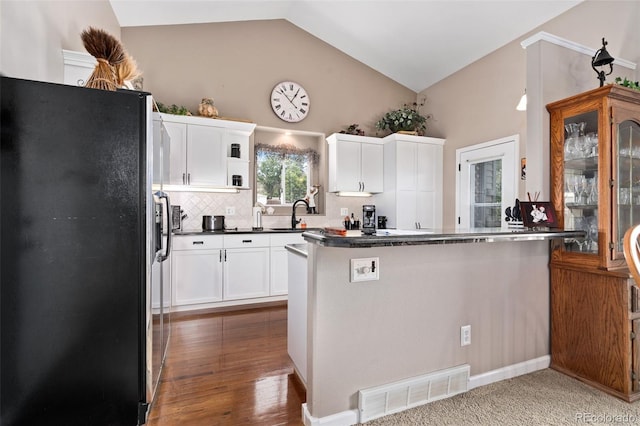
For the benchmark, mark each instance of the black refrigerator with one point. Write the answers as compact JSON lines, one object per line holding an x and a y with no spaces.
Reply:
{"x":79,"y":233}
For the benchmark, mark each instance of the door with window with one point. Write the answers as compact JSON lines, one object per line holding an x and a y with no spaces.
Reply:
{"x":486,"y":183}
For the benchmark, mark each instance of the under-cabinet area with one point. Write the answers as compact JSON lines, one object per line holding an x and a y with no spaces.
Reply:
{"x":209,"y":271}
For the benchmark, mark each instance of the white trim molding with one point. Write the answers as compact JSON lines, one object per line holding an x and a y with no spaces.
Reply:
{"x":345,"y":418}
{"x":78,"y":59}
{"x":559,"y":41}
{"x":509,"y":372}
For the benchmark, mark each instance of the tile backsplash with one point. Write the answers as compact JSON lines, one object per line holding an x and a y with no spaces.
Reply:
{"x":198,"y":204}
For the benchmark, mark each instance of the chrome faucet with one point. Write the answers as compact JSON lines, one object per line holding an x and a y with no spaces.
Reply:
{"x":294,"y":222}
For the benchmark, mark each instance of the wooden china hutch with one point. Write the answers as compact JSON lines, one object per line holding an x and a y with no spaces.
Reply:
{"x":595,"y":187}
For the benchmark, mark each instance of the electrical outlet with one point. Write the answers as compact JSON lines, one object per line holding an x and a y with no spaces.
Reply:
{"x":230,"y":211}
{"x":344,"y":212}
{"x":367,"y":269}
{"x":465,"y":335}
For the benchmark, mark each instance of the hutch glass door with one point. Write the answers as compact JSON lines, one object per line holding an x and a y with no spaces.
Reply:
{"x":581,"y":180}
{"x":628,"y":179}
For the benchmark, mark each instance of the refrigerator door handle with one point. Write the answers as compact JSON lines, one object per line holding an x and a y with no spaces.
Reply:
{"x":166,"y":227}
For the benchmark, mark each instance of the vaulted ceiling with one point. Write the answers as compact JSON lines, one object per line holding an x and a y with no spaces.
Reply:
{"x":414,"y":42}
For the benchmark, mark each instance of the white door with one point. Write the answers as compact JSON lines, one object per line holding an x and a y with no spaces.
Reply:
{"x":406,"y":163}
{"x":196,"y":277}
{"x":348,"y":166}
{"x":486,"y":183}
{"x":246,"y":273}
{"x":428,"y":210}
{"x":279,"y":279}
{"x":429,"y":167}
{"x":371,"y":162}
{"x":177,"y":152}
{"x":406,"y":211}
{"x":206,"y":156}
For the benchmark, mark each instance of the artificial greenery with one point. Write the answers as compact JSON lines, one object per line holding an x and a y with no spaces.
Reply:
{"x":173,"y":109}
{"x":407,"y":118}
{"x":353,"y":129}
{"x":635,"y":85}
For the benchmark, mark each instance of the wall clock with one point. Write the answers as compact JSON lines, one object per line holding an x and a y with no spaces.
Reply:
{"x":290,"y":101}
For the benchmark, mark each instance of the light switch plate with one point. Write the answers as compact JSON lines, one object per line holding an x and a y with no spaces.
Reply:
{"x":366,"y":269}
{"x":230,"y":211}
{"x":344,"y":212}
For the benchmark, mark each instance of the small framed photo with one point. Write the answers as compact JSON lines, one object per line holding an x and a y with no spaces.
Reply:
{"x":538,"y":213}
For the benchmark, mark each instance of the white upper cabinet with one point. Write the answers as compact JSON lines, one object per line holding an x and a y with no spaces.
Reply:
{"x":208,"y":152}
{"x":412,"y":196}
{"x":355,"y":163}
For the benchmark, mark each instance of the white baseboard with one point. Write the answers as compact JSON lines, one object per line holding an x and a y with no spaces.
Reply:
{"x":345,"y":418}
{"x":352,"y":417}
{"x":509,"y":371}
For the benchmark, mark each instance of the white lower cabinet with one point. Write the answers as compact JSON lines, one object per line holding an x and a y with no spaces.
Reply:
{"x":279,"y":284}
{"x":196,"y":269}
{"x":246,"y":266}
{"x":210,"y":269}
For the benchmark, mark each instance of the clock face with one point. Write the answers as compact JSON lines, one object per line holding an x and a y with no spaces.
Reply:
{"x":290,"y":101}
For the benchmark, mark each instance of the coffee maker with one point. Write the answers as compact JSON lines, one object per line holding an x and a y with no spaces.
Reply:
{"x":368,"y":219}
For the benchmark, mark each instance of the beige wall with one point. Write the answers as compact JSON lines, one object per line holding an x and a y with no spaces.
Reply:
{"x":477,"y":104}
{"x":238,"y":64}
{"x":33,"y":34}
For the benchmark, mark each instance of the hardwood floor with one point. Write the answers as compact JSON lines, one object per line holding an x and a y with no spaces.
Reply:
{"x":229,"y":369}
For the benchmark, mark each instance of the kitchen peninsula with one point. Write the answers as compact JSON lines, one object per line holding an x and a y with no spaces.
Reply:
{"x":403,"y":330}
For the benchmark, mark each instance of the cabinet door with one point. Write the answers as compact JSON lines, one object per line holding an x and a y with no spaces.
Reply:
{"x":177,"y":152}
{"x":406,"y":209}
{"x":347,"y":167}
{"x":427,"y":210}
{"x":279,"y":274}
{"x":371,"y":165}
{"x":196,"y":276}
{"x":429,"y":167}
{"x":406,"y":166}
{"x":246,"y":273}
{"x":626,"y":155}
{"x":206,"y":156}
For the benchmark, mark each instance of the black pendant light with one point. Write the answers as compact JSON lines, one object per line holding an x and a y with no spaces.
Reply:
{"x":601,"y":59}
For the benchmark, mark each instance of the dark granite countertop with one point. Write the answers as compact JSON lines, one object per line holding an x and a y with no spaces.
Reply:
{"x":233,"y":231}
{"x":392,"y":237}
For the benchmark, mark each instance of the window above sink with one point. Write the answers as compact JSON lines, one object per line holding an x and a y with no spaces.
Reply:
{"x":287,"y":164}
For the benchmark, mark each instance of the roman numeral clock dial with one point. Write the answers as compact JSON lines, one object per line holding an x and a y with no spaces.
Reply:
{"x":290,"y":101}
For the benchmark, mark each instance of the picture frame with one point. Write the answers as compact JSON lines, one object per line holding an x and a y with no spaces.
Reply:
{"x":538,"y":214}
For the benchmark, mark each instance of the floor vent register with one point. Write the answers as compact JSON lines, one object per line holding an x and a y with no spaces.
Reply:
{"x":399,"y":396}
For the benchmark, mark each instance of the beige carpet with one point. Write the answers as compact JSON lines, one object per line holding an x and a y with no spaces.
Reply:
{"x":545,"y":397}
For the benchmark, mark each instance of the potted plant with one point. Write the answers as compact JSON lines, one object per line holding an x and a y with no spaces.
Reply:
{"x":404,"y":120}
{"x":635,"y":85}
{"x":353,"y":129}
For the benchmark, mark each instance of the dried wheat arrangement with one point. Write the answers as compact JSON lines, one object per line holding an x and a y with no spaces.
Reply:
{"x":114,"y":67}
